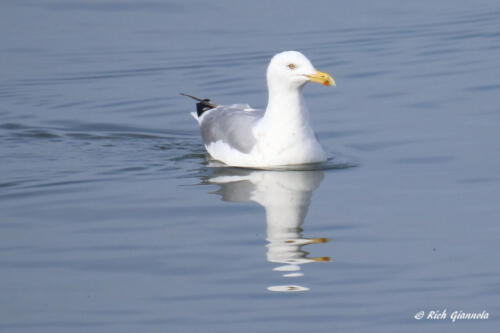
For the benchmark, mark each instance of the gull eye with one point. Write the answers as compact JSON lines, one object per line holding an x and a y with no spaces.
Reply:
{"x":292,"y":66}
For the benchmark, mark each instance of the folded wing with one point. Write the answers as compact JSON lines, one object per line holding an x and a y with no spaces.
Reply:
{"x":233,"y":125}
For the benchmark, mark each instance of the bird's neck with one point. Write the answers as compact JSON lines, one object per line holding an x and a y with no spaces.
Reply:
{"x":287,"y":109}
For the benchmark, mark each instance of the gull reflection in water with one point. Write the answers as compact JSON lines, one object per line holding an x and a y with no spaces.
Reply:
{"x":286,"y":196}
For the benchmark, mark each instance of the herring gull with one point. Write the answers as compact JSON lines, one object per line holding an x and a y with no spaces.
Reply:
{"x":240,"y":136}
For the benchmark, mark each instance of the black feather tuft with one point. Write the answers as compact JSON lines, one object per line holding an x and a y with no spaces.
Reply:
{"x":202,"y":105}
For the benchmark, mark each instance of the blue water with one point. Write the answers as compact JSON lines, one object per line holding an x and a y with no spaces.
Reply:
{"x":112,"y":219}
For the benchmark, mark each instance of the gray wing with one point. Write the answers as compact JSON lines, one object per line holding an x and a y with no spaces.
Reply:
{"x":233,"y":125}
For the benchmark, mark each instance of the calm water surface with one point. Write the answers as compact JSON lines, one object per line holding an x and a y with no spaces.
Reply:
{"x":112,"y":219}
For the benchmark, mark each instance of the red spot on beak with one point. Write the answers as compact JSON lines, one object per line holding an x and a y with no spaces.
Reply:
{"x":325,"y":83}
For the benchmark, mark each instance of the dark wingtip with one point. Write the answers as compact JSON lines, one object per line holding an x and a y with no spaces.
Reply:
{"x":190,"y":96}
{"x":202,"y":105}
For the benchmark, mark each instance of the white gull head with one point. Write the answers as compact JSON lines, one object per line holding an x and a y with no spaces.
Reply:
{"x":291,"y":70}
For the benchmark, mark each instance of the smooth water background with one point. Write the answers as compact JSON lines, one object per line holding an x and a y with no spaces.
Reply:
{"x":112,"y":221}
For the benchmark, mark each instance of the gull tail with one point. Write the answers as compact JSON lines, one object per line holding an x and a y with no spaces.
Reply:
{"x":202,"y":105}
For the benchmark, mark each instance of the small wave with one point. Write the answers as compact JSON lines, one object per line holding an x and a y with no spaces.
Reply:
{"x":333,"y":163}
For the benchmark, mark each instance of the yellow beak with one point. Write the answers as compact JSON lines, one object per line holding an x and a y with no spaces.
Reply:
{"x":323,"y":78}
